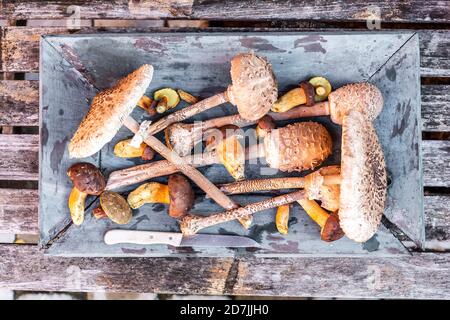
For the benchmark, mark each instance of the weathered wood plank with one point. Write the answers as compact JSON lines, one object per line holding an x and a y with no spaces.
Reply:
{"x":20,"y":48}
{"x":19,"y":157}
{"x":435,"y":52}
{"x":419,"y":276}
{"x":437,"y":217}
{"x":19,"y":211}
{"x":96,"y":9}
{"x":435,"y":107}
{"x":359,"y":10}
{"x":19,"y":103}
{"x":436,"y":164}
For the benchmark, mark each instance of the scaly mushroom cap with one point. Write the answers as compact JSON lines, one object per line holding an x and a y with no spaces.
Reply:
{"x":363,"y":185}
{"x":364,"y":97}
{"x":108,"y":111}
{"x":297,"y":147}
{"x":254,"y":89}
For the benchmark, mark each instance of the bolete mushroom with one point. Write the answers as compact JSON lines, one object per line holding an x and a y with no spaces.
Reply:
{"x":330,"y":229}
{"x":177,"y":193}
{"x":123,"y":149}
{"x":87,"y":180}
{"x":304,"y":94}
{"x":187,"y":97}
{"x":322,"y":88}
{"x":111,"y":109}
{"x":363,"y":97}
{"x":309,"y":143}
{"x":148,"y":105}
{"x":282,"y":218}
{"x":167,"y":99}
{"x":115,"y":207}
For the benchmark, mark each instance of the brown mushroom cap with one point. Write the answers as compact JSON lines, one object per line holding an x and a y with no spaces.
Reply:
{"x":332,"y":231}
{"x":108,"y":111}
{"x":87,"y":178}
{"x":364,"y":97}
{"x":297,"y":147}
{"x":181,"y":196}
{"x":116,"y":207}
{"x":254,"y":89}
{"x":363,"y":185}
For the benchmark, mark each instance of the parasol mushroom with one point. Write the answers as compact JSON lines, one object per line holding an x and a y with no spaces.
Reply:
{"x":253,"y":91}
{"x":364,"y":97}
{"x":303,"y":146}
{"x":362,"y":180}
{"x":111,"y":109}
{"x":87,"y":180}
{"x":177,"y":193}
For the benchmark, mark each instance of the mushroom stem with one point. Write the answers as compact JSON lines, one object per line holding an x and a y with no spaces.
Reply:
{"x":191,"y":224}
{"x":315,"y":211}
{"x":273,"y":184}
{"x":77,"y":200}
{"x":195,"y":175}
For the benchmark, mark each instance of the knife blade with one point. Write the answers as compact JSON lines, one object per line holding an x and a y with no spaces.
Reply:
{"x":177,"y":239}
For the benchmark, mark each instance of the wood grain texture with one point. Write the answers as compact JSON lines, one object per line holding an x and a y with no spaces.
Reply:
{"x":20,"y":47}
{"x":96,"y":9}
{"x":419,"y":276}
{"x":436,"y":164}
{"x":359,"y":10}
{"x":435,"y":52}
{"x":437,"y":217}
{"x":19,"y":211}
{"x":19,"y":157}
{"x":435,"y":107}
{"x":19,"y":103}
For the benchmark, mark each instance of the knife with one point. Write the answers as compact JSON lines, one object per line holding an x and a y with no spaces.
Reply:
{"x":176,"y":239}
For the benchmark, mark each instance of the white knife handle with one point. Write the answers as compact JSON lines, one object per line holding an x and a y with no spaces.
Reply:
{"x":142,"y":237}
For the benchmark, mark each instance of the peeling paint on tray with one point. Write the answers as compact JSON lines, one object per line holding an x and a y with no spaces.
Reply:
{"x":402,"y":122}
{"x":57,"y":154}
{"x":311,"y":43}
{"x":260,"y":44}
{"x":289,"y":246}
{"x":134,"y":251}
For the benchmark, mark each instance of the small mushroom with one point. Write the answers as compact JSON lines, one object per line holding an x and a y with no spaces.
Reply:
{"x":148,"y":105}
{"x":123,"y":149}
{"x":265,"y":125}
{"x":330,"y":229}
{"x":87,"y":180}
{"x":99,"y":213}
{"x":363,"y":97}
{"x":177,"y":193}
{"x":282,"y":218}
{"x":115,"y":207}
{"x":322,"y":88}
{"x":304,"y":94}
{"x":167,"y":99}
{"x":187,"y":97}
{"x":225,"y":141}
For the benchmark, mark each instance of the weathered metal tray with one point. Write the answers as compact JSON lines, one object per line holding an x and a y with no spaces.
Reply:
{"x":74,"y":67}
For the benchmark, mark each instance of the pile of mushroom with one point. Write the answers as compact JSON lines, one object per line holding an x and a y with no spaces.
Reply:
{"x":355,"y":192}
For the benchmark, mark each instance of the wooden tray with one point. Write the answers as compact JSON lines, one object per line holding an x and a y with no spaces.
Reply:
{"x":74,"y":67}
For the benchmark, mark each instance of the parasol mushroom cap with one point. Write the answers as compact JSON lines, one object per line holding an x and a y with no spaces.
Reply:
{"x":297,"y":147}
{"x":363,"y":97}
{"x":363,"y":185}
{"x":108,"y":111}
{"x":254,"y":89}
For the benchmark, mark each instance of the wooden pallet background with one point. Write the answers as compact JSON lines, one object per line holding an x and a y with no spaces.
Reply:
{"x":423,"y":274}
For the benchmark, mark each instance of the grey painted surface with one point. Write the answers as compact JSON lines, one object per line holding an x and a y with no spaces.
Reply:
{"x":199,"y":64}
